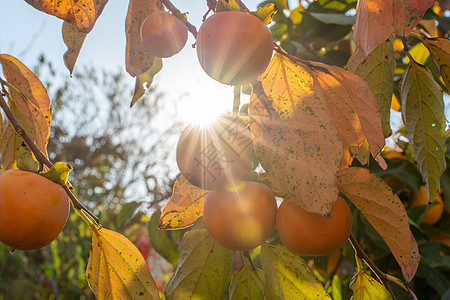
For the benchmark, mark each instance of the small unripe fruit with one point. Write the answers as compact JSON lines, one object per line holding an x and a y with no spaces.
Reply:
{"x":310,"y":234}
{"x":215,"y":156}
{"x":163,"y":34}
{"x":241,"y":218}
{"x":33,"y":210}
{"x":234,"y":47}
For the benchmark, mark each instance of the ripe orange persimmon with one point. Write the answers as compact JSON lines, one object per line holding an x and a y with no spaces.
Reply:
{"x":310,"y":234}
{"x":215,"y":156}
{"x":241,"y":218}
{"x":33,"y":210}
{"x":434,"y":212}
{"x":234,"y":47}
{"x":163,"y":34}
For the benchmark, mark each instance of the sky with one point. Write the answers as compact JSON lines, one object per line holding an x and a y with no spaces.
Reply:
{"x":26,"y":33}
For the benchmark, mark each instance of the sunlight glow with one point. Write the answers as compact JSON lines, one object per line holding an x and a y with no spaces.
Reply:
{"x":202,"y":107}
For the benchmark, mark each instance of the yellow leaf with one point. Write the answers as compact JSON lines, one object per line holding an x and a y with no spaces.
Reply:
{"x":116,"y":269}
{"x":30,"y":104}
{"x":385,"y":211}
{"x":365,"y":287}
{"x":58,"y":173}
{"x":294,"y":136}
{"x":227,"y":5}
{"x":204,"y":268}
{"x":138,"y":59}
{"x":144,"y":80}
{"x":184,"y":207}
{"x":81,"y":13}
{"x":265,"y":13}
{"x":288,"y":276}
{"x":73,"y":40}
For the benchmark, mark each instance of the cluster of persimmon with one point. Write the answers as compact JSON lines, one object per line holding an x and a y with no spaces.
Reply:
{"x":33,"y":210}
{"x":235,"y":48}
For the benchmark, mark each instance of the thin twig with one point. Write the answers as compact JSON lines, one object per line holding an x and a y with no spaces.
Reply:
{"x":38,"y":153}
{"x":361,"y":254}
{"x":175,"y":10}
{"x":246,"y":255}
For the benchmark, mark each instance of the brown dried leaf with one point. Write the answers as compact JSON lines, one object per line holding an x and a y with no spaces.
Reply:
{"x":30,"y":104}
{"x":73,"y":40}
{"x":82,"y":13}
{"x":184,"y":207}
{"x":138,"y":59}
{"x":376,"y":20}
{"x":294,"y":136}
{"x":385,"y":211}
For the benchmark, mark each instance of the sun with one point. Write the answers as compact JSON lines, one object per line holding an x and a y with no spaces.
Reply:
{"x":203,"y":106}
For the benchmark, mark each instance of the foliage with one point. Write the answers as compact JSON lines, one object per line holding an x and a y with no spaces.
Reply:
{"x":319,"y":115}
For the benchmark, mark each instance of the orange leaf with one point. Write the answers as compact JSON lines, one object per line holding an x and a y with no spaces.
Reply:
{"x":376,"y":20}
{"x":294,"y":136}
{"x":30,"y":104}
{"x":116,"y":269}
{"x":73,"y":40}
{"x":138,"y":59}
{"x":82,"y":13}
{"x":184,"y":207}
{"x":385,"y":211}
{"x":365,"y":106}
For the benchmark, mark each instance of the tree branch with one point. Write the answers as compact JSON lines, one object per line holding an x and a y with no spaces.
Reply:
{"x":38,"y":153}
{"x":175,"y":10}
{"x":363,"y":255}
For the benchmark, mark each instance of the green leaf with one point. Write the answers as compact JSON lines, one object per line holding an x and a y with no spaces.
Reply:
{"x":246,"y":283}
{"x":27,"y":161}
{"x":161,"y":241}
{"x":288,"y":276}
{"x":58,"y":173}
{"x":144,"y":80}
{"x":423,"y":115}
{"x":127,"y":211}
{"x":377,"y":69}
{"x":435,"y":277}
{"x":329,"y":18}
{"x":440,"y":51}
{"x":203,"y":270}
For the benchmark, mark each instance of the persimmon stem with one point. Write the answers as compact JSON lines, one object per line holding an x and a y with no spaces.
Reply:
{"x":363,"y":256}
{"x":38,"y":153}
{"x":175,"y":10}
{"x":236,"y":100}
{"x":246,"y":255}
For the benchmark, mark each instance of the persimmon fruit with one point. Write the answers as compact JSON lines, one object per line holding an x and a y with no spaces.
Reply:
{"x":33,"y":210}
{"x":163,"y":34}
{"x":310,"y":234}
{"x":242,"y":217}
{"x":234,"y":47}
{"x":434,"y":212}
{"x":215,"y":156}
